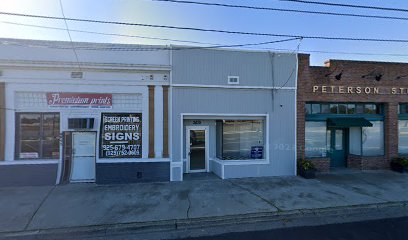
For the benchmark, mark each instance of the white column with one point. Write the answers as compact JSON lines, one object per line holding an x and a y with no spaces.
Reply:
{"x":10,"y":123}
{"x":158,"y":121}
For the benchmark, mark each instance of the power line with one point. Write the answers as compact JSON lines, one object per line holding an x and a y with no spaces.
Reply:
{"x":109,"y":34}
{"x":69,"y":34}
{"x":146,"y":49}
{"x":285,"y":10}
{"x":207,"y":30}
{"x":198,"y":42}
{"x":348,"y":5}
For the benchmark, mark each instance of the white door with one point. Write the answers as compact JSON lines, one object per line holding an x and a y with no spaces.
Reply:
{"x":197,"y":149}
{"x":83,"y":157}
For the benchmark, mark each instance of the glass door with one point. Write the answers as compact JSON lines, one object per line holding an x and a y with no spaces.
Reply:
{"x":197,"y":150}
{"x":338,"y":148}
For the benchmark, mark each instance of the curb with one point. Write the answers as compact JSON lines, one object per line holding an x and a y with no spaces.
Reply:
{"x":195,"y":227}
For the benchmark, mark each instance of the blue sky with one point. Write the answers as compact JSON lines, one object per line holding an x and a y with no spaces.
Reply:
{"x":151,"y":12}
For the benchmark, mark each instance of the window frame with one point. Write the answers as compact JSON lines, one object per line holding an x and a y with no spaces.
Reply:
{"x":220,"y":142}
{"x":18,"y":134}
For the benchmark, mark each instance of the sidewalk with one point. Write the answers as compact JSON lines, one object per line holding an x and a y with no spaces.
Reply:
{"x":74,"y":206}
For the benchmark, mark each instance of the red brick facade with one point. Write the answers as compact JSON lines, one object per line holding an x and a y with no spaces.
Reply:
{"x":359,"y":82}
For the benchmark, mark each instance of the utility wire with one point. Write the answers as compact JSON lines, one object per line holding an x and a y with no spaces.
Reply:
{"x":348,"y":5}
{"x":70,"y":38}
{"x":285,"y":10}
{"x":198,"y":42}
{"x":107,"y":34}
{"x":208,"y":30}
{"x":8,"y":42}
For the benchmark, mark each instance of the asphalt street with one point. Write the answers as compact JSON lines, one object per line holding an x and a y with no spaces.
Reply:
{"x":392,"y":229}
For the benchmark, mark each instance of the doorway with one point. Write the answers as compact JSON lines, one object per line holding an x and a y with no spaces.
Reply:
{"x":197,"y":149}
{"x":338,"y":147}
{"x":83,"y":157}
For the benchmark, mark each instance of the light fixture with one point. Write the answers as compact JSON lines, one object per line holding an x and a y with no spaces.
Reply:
{"x":338,"y":76}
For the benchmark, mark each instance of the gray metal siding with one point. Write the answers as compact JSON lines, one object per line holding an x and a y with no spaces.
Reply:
{"x":212,"y":67}
{"x":281,"y":110}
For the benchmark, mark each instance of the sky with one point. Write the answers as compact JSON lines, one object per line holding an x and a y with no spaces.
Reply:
{"x":190,"y":15}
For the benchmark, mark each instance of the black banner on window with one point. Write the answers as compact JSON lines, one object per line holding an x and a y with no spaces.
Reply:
{"x":121,"y":135}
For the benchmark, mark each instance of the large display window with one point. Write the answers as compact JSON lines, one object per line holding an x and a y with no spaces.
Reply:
{"x":37,"y":135}
{"x":240,"y":139}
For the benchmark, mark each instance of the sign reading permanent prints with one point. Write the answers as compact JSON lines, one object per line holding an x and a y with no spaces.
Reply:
{"x":121,"y":135}
{"x":79,"y":100}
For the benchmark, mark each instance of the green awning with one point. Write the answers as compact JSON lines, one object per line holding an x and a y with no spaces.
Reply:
{"x":348,"y":122}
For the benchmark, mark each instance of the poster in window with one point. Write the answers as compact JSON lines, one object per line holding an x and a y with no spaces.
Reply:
{"x":121,"y":135}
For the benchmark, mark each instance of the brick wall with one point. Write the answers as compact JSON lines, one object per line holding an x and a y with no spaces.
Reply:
{"x":321,"y":164}
{"x":352,"y":73}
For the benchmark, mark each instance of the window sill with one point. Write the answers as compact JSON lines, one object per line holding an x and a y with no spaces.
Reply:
{"x":240,"y":162}
{"x":29,"y":162}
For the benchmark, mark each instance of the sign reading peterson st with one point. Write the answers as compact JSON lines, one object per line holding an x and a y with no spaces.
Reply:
{"x":330,"y":89}
{"x":79,"y":100}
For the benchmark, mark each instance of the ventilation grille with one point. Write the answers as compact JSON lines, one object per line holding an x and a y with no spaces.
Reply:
{"x":77,"y":74}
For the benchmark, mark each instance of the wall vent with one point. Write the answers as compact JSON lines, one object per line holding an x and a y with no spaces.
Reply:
{"x":233,"y":80}
{"x":77,"y":74}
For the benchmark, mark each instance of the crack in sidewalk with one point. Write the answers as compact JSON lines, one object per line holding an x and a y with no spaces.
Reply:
{"x":257,"y":195}
{"x":39,"y":206}
{"x":189,"y":205}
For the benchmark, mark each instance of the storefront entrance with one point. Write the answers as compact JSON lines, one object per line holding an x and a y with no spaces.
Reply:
{"x":338,"y":147}
{"x":83,"y":157}
{"x":197,"y":149}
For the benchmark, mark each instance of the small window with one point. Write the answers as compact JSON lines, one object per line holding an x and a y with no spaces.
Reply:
{"x":315,"y":108}
{"x":342,"y":108}
{"x":308,"y":108}
{"x":325,"y":108}
{"x":333,"y":108}
{"x":233,"y":80}
{"x":80,"y":123}
{"x":351,"y":108}
{"x":403,"y":108}
{"x":370,"y":108}
{"x":359,"y":108}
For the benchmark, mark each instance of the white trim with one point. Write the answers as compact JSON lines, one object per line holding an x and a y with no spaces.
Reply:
{"x":232,"y":87}
{"x":29,"y":162}
{"x":240,"y":162}
{"x":133,"y":160}
{"x":207,"y":152}
{"x":225,"y":114}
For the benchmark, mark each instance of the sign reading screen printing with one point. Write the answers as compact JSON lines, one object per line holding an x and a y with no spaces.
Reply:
{"x":121,"y":135}
{"x":79,"y":100}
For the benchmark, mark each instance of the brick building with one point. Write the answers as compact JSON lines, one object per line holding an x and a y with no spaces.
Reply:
{"x":352,"y":113}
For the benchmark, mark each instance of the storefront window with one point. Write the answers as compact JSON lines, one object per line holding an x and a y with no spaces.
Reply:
{"x":240,"y":139}
{"x":37,"y":136}
{"x":347,"y":108}
{"x":403,"y":136}
{"x":373,"y":139}
{"x":315,"y":139}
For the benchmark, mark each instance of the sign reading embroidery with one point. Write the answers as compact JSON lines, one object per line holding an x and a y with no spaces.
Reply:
{"x":79,"y":100}
{"x":121,"y":135}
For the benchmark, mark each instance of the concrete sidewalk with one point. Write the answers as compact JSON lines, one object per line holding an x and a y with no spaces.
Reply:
{"x":25,"y":210}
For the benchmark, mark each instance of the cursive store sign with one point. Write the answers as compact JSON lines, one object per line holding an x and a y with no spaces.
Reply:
{"x":330,"y":89}
{"x":79,"y":100}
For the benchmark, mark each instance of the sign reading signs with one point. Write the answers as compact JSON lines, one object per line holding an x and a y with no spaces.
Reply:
{"x":79,"y":100}
{"x":121,"y":135}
